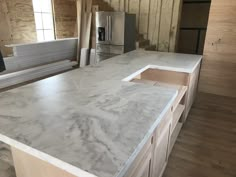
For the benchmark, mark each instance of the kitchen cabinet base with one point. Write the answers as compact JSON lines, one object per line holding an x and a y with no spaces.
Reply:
{"x":29,"y":166}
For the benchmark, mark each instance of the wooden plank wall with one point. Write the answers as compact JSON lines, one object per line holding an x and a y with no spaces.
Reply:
{"x":16,"y":23}
{"x":157,"y":20}
{"x":218,"y":73}
{"x":65,"y":18}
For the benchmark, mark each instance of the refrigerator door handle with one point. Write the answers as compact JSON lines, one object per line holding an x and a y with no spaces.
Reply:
{"x":110,"y":28}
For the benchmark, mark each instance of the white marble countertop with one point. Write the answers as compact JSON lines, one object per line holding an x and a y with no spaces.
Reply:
{"x":89,"y":121}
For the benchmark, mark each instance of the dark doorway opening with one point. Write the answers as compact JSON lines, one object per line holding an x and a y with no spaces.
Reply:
{"x":193,"y":26}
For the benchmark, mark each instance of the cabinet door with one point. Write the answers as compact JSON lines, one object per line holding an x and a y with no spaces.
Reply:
{"x":160,"y":155}
{"x":143,"y":169}
{"x":142,"y":163}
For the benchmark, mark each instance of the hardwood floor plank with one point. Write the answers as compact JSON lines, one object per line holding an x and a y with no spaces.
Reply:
{"x":206,"y":146}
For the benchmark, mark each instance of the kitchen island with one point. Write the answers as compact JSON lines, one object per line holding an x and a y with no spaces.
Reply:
{"x":97,"y":120}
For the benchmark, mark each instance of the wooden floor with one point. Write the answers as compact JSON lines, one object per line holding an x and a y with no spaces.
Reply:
{"x":206,"y":146}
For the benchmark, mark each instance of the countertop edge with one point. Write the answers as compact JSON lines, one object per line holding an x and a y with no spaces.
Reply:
{"x":153,"y":66}
{"x":76,"y":171}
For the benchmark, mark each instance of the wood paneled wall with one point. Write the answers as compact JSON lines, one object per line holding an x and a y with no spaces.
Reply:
{"x":65,"y":18}
{"x":218,"y":73}
{"x":157,"y":20}
{"x":16,"y":23}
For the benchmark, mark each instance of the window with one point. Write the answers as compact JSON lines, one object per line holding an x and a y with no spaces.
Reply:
{"x":44,"y":20}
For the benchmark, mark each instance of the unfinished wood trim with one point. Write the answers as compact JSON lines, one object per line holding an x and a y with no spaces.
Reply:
{"x":79,"y":4}
{"x":54,"y":20}
{"x":174,"y":136}
{"x":192,"y":91}
{"x":165,"y":25}
{"x":181,"y":92}
{"x":174,"y":30}
{"x":29,"y":166}
{"x":86,"y":29}
{"x":176,"y":116}
{"x":154,"y":21}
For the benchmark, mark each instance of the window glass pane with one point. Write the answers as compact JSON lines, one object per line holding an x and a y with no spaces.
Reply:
{"x":40,"y":35}
{"x":43,"y":19}
{"x":46,"y":5}
{"x":38,"y":20}
{"x":47,"y":21}
{"x":49,"y":35}
{"x":37,"y":5}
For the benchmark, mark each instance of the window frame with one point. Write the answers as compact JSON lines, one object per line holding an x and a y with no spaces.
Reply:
{"x":42,"y":12}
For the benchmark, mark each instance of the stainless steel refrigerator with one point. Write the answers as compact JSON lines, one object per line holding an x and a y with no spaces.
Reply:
{"x":115,"y":34}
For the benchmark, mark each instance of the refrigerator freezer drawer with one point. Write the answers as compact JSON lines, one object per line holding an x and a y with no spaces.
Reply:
{"x":101,"y":48}
{"x":110,"y":49}
{"x":116,"y":49}
{"x":103,"y":56}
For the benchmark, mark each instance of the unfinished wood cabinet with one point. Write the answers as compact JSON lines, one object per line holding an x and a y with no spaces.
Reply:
{"x":168,"y":129}
{"x":152,"y":159}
